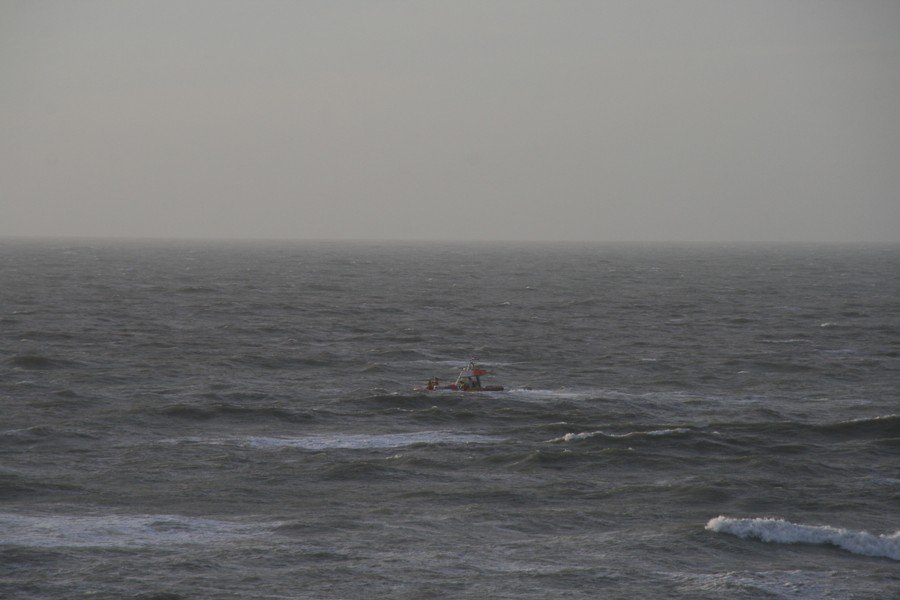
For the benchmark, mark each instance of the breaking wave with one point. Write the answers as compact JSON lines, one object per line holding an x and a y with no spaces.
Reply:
{"x":784,"y":532}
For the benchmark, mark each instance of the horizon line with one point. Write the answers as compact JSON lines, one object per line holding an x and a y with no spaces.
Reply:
{"x":455,"y":242}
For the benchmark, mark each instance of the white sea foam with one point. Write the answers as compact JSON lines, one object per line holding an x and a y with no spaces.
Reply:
{"x":572,"y":437}
{"x":119,"y":531}
{"x":784,"y":532}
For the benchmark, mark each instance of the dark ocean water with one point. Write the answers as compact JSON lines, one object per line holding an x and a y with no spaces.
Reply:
{"x":238,"y":421}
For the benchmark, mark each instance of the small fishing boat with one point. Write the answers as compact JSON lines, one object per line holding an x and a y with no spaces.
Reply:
{"x":468,"y":380}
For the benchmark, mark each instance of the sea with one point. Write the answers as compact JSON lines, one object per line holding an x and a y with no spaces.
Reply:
{"x":224,"y":420}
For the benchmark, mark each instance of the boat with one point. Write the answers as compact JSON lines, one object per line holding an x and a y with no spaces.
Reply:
{"x":468,"y":380}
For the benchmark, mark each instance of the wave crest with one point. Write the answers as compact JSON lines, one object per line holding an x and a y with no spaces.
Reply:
{"x":572,"y":437}
{"x":885,"y":425}
{"x":346,"y":441}
{"x":784,"y":532}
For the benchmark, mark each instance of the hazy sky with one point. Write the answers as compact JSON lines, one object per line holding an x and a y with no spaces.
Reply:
{"x":761,"y":120}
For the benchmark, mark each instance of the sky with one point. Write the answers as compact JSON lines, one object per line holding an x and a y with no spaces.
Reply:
{"x":563,"y":120}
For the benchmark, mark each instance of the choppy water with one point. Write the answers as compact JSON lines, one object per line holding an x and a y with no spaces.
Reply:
{"x":238,"y":421}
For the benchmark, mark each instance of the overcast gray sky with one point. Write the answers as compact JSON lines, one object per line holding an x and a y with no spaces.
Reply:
{"x":763,"y":120}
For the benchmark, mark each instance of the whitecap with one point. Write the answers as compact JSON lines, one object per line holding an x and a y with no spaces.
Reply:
{"x":784,"y":532}
{"x":572,"y":437}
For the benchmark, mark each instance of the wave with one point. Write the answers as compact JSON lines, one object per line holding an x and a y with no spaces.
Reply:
{"x":16,"y":486}
{"x":38,"y":362}
{"x":384,"y":400}
{"x":277,"y":362}
{"x":886,"y":425}
{"x":39,"y":434}
{"x":811,"y":585}
{"x":366,"y":470}
{"x":47,"y":335}
{"x":203,"y":413}
{"x":783,"y":366}
{"x":784,"y":532}
{"x":347,"y":441}
{"x":546,"y":394}
{"x":573,"y":437}
{"x":410,"y":356}
{"x":197,"y":289}
{"x":368,"y":441}
{"x":118,"y":531}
